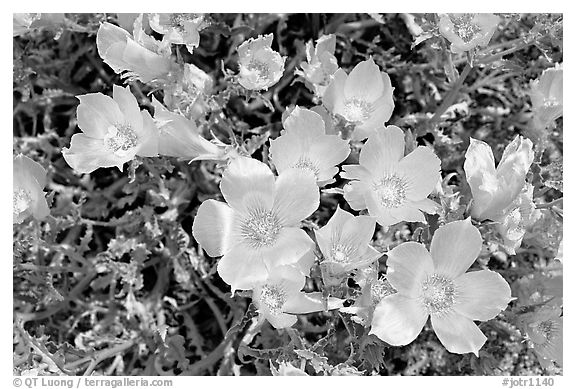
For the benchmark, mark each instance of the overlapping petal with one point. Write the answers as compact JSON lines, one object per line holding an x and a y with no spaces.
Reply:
{"x":455,"y":246}
{"x":457,"y":333}
{"x":398,"y":319}
{"x":481,"y":294}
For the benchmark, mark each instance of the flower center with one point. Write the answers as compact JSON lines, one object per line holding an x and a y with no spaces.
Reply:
{"x":261,"y":228}
{"x":121,"y":139}
{"x":391,"y":191}
{"x":21,"y":200}
{"x":548,"y":329}
{"x":437,"y":294}
{"x":465,"y":28}
{"x":177,"y":20}
{"x":260,"y":69}
{"x":306,"y":163}
{"x":273,"y":297}
{"x":341,"y":253}
{"x":356,"y":110}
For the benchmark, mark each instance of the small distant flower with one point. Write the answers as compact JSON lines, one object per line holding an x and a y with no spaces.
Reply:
{"x":545,"y":331}
{"x":363,"y":97}
{"x":140,"y":56}
{"x":258,"y":228}
{"x":468,"y":31}
{"x":547,"y":96}
{"x":179,"y":28}
{"x":286,"y":369}
{"x":260,"y":66}
{"x":518,"y":217}
{"x":393,"y":187}
{"x":305,"y":145}
{"x":321,"y":64}
{"x":435,"y":284}
{"x":28,"y":182}
{"x":114,"y":131}
{"x":494,"y":189}
{"x":188,"y":90}
{"x":179,"y":137}
{"x":279,"y":298}
{"x":344,"y":242}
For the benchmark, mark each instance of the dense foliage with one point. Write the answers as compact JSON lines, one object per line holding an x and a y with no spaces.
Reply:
{"x":113,"y":281}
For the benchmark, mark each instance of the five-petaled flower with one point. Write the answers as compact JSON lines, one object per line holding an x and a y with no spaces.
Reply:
{"x":545,"y":331}
{"x":279,"y":298}
{"x":178,"y":28}
{"x":363,"y":97}
{"x":494,"y":189}
{"x":28,"y":182}
{"x":547,"y":96}
{"x":344,"y":242}
{"x":393,"y":187}
{"x":138,"y":56}
{"x":258,"y":228}
{"x":114,"y":131}
{"x":321,"y":64}
{"x":260,"y":66}
{"x":305,"y":145}
{"x":435,"y":284}
{"x":468,"y":31}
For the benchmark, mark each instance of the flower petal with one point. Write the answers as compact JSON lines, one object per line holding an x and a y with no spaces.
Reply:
{"x":280,"y":320}
{"x":332,"y":230}
{"x":297,"y":196}
{"x":242,"y":268}
{"x":354,"y":194}
{"x":96,"y":113}
{"x":408,"y":212}
{"x":87,"y":154}
{"x":454,"y":248}
{"x":364,"y":82}
{"x":458,"y":333}
{"x":481,"y":294}
{"x":408,"y":265}
{"x":148,"y":136}
{"x":303,"y":303}
{"x":421,"y":170}
{"x":384,"y":107}
{"x":382,"y":151}
{"x":291,"y":245}
{"x":213,"y":227}
{"x":128,"y":106}
{"x":243,"y":180}
{"x":480,"y":170}
{"x":397,"y":319}
{"x":333,"y":98}
{"x":303,"y":121}
{"x":23,"y":165}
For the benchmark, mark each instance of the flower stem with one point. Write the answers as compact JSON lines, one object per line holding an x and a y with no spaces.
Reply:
{"x":449,"y":99}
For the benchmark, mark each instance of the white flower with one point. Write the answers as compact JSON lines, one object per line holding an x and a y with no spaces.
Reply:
{"x":363,"y":97}
{"x":494,"y":189}
{"x":258,"y":228}
{"x":114,"y":131}
{"x":260,"y":66}
{"x":393,"y":187}
{"x":435,"y":284}
{"x":305,"y":145}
